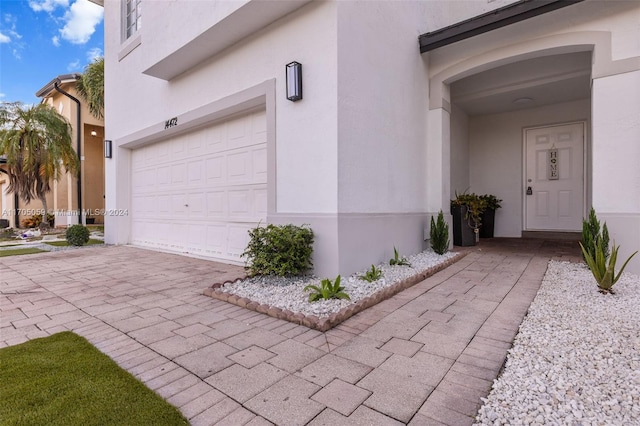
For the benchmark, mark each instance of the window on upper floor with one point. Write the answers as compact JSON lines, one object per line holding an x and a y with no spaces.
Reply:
{"x":132,"y":17}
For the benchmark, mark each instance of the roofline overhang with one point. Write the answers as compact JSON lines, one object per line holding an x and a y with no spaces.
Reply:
{"x":498,"y":18}
{"x":61,"y":79}
{"x":98,"y":2}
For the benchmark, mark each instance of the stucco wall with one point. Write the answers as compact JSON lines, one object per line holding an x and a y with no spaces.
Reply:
{"x":616,"y":153}
{"x":306,"y":152}
{"x":459,"y":151}
{"x":382,"y":88}
{"x":495,"y":155}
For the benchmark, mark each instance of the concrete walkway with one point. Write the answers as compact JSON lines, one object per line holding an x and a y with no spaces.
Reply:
{"x":423,"y":357}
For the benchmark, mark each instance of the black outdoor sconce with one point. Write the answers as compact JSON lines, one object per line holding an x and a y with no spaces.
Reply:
{"x":294,"y":81}
{"x":107,"y":149}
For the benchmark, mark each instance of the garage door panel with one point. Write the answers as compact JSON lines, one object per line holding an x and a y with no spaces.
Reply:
{"x":196,"y":205}
{"x":216,"y":206}
{"x":178,"y":174}
{"x":259,"y":162}
{"x":238,"y":237}
{"x":215,"y":170}
{"x":216,"y":239}
{"x":177,"y":147}
{"x":195,"y":144}
{"x":203,"y":191}
{"x":260,"y":202}
{"x":259,"y":127}
{"x":163,"y":175}
{"x":239,"y":203}
{"x":163,"y":208}
{"x":238,"y":167}
{"x":178,"y":204}
{"x":195,"y":172}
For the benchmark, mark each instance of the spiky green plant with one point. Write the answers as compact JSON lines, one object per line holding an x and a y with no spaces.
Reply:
{"x":397,"y":259}
{"x":327,"y":290}
{"x":603,"y":271}
{"x":373,"y":274}
{"x":439,"y":233}
{"x":591,"y":233}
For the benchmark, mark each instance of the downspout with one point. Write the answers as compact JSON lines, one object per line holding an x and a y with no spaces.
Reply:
{"x":16,"y":219}
{"x":79,"y":147}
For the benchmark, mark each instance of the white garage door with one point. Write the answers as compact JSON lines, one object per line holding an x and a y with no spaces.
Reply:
{"x":201,"y":192}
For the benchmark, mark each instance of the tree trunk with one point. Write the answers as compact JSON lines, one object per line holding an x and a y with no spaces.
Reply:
{"x":45,"y":222}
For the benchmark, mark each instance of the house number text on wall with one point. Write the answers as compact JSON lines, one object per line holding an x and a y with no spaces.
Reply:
{"x":553,"y":173}
{"x":171,"y":122}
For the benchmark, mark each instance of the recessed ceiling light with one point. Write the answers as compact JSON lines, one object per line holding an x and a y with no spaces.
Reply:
{"x":522,"y":101}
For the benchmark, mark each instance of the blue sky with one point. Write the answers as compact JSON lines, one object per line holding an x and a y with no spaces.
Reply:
{"x":41,"y":39}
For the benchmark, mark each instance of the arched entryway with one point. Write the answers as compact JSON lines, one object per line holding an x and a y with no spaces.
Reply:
{"x":509,"y":116}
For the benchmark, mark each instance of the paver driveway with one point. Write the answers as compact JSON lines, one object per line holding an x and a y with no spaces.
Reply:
{"x":425,"y":356}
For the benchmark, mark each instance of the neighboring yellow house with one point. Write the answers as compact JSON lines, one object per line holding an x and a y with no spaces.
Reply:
{"x":63,"y":199}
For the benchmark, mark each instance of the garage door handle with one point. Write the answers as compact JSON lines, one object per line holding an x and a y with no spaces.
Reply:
{"x":186,"y":205}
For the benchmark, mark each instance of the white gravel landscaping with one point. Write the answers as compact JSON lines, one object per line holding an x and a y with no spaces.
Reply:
{"x":287,"y":293}
{"x":576,"y":358}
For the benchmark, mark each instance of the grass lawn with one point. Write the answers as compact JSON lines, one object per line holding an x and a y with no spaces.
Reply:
{"x":17,"y":252}
{"x":65,"y":244}
{"x":63,"y":380}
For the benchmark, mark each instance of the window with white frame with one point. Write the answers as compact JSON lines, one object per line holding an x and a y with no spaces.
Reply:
{"x":132,"y":17}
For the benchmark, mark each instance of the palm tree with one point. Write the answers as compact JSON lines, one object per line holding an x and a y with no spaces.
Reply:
{"x":36,"y":142}
{"x":90,"y":86}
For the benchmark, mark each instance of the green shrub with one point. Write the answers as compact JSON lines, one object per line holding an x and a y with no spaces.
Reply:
{"x":328,"y":290}
{"x":283,"y":250}
{"x":591,"y":234}
{"x":439,"y":234}
{"x":77,"y":235}
{"x":398,"y":260}
{"x":604,"y":273}
{"x":373,"y":274}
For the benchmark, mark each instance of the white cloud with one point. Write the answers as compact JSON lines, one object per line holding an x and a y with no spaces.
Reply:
{"x":74,"y":66}
{"x":81,"y":21}
{"x":11,"y":33}
{"x":47,"y":5}
{"x":2,"y":96}
{"x":56,"y":41}
{"x":4,"y":38}
{"x":93,"y":53}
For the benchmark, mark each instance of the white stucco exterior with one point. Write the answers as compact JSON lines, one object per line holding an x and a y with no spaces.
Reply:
{"x":379,"y":143}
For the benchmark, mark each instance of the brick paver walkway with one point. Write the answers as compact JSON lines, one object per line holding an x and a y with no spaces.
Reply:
{"x":424,"y":357}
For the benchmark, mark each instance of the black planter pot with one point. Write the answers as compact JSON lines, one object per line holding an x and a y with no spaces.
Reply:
{"x":463,"y":234}
{"x":488,"y":220}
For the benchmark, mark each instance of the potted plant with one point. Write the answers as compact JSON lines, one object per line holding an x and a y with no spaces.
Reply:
{"x":467,"y":217}
{"x":491,"y":204}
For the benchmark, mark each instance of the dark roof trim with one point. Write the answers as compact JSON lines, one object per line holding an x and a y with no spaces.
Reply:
{"x":498,"y":18}
{"x":61,"y":79}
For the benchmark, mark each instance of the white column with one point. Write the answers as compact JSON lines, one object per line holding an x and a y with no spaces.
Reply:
{"x":616,"y":160}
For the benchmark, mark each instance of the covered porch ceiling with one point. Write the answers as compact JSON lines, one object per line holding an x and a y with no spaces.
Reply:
{"x":525,"y":84}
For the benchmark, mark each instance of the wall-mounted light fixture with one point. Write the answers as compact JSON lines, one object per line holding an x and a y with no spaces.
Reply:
{"x":294,"y":81}
{"x":107,"y":148}
{"x":94,"y":133}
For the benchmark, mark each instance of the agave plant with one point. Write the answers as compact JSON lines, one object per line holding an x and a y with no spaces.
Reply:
{"x":397,"y":260}
{"x":603,"y":271}
{"x":327,"y":290}
{"x":373,"y":274}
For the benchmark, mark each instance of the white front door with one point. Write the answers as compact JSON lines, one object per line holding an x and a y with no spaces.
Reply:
{"x":554,"y":178}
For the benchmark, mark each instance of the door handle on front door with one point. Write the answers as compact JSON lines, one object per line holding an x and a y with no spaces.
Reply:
{"x":529,"y":190}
